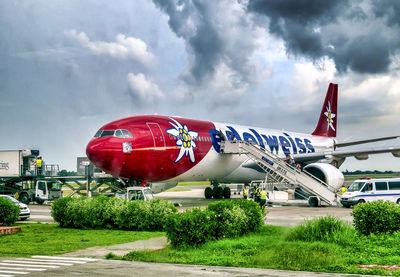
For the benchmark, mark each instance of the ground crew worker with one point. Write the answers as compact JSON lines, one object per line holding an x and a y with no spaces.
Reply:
{"x":245,"y":192}
{"x":343,"y":189}
{"x":263,"y":198}
{"x":256,"y":194}
{"x":39,"y":165}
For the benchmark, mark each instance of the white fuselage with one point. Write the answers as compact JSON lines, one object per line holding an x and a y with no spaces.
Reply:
{"x":232,"y":168}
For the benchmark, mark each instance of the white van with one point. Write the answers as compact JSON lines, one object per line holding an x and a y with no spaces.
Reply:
{"x":364,"y":190}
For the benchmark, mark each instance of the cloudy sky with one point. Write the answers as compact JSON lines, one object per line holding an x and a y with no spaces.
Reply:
{"x":68,"y":67}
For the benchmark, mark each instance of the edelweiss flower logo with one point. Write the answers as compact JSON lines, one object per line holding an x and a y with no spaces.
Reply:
{"x":184,"y":138}
{"x":330,"y":116}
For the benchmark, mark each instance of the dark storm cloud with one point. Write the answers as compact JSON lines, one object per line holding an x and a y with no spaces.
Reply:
{"x":215,"y":34}
{"x":361,"y":36}
{"x":388,"y":9}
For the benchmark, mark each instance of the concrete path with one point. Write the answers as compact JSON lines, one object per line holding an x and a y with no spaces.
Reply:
{"x":120,"y":249}
{"x":126,"y":268}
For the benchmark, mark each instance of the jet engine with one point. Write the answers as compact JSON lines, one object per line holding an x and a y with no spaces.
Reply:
{"x":327,"y":173}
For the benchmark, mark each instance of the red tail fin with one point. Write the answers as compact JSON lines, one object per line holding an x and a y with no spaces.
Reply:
{"x":328,"y":119}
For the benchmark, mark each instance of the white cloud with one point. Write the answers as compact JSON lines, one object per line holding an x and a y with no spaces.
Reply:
{"x":143,"y":89}
{"x":308,"y":76}
{"x":227,"y":83}
{"x":123,"y":47}
{"x":308,"y":83}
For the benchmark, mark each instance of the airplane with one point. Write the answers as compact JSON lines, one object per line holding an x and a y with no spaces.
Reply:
{"x":165,"y":150}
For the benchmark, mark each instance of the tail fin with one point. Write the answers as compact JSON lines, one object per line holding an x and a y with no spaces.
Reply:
{"x":328,"y":118}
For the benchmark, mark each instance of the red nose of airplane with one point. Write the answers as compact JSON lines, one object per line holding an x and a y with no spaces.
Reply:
{"x":105,"y":154}
{"x":95,"y":153}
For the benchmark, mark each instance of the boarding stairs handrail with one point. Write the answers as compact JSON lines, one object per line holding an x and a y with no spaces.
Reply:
{"x":280,"y":170}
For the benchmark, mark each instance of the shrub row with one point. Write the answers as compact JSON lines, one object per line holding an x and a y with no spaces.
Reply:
{"x":327,"y":228}
{"x":222,"y":219}
{"x":112,"y":213}
{"x":377,"y":217}
{"x":9,"y":212}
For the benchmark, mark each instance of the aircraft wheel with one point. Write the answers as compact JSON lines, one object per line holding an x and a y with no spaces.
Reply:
{"x":39,"y":200}
{"x":218,"y":192}
{"x":313,"y":201}
{"x":24,"y":198}
{"x":227,"y":192}
{"x":208,"y":192}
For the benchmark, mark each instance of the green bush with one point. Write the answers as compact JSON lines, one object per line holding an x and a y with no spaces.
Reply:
{"x":221,"y":219}
{"x":231,"y":219}
{"x":82,"y":212}
{"x":9,"y":212}
{"x":254,"y":214}
{"x":191,"y":228}
{"x":110,"y":212}
{"x":93,"y":212}
{"x":328,"y":228}
{"x":376,"y":217}
{"x":154,"y":214}
{"x":75,"y":213}
{"x":59,"y":211}
{"x":138,"y":215}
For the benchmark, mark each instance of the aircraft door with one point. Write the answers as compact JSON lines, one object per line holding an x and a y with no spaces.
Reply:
{"x":158,"y":137}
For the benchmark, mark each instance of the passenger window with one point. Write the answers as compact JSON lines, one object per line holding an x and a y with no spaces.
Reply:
{"x":394,"y":185}
{"x":127,"y":134}
{"x":381,"y":185}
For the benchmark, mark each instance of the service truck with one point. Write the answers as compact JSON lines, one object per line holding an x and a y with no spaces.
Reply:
{"x":136,"y":193}
{"x":20,"y":179}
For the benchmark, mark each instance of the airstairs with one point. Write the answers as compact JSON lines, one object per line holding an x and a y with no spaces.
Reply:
{"x":281,"y":171}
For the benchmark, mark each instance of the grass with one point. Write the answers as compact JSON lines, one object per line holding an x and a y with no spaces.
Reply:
{"x":272,"y":247}
{"x":177,"y":190}
{"x":205,"y":183}
{"x":372,"y":176}
{"x":49,"y":239}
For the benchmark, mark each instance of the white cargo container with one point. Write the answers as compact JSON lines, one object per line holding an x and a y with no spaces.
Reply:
{"x":11,"y":162}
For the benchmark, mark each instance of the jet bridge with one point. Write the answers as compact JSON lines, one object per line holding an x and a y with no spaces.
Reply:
{"x":282,"y":172}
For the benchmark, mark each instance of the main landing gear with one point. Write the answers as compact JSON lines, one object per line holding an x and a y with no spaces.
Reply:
{"x":217,"y":191}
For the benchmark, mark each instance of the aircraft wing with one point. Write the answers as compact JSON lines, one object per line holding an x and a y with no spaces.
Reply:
{"x":341,"y":154}
{"x":344,"y":144}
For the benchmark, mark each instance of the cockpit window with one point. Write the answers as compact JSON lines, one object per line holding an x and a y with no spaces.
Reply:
{"x":98,"y":133}
{"x":127,"y":134}
{"x":108,"y":133}
{"x":120,"y":133}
